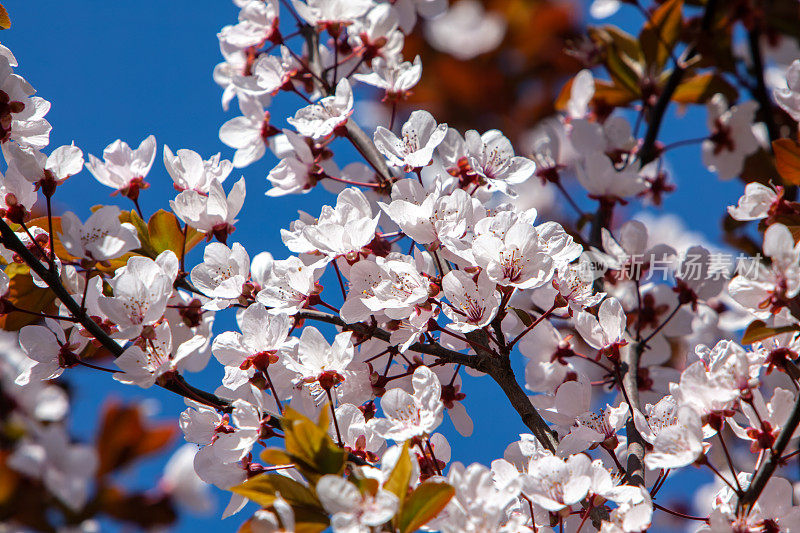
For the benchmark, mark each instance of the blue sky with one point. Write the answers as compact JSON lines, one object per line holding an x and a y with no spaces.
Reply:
{"x":128,"y":69}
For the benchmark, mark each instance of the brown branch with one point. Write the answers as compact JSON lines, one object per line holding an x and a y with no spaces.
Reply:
{"x":175,"y":384}
{"x":760,"y":92}
{"x":648,"y":150}
{"x":355,"y":134}
{"x":630,"y":385}
{"x":768,"y":467}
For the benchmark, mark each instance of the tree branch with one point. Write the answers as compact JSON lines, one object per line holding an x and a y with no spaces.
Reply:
{"x":648,"y":151}
{"x":355,"y":134}
{"x":760,"y":93}
{"x":175,"y":384}
{"x":630,"y":384}
{"x":768,"y":467}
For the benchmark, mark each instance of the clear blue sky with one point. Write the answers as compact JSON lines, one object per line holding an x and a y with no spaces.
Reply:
{"x":128,"y":69}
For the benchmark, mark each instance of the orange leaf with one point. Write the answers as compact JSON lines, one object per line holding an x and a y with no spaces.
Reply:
{"x":124,"y":437}
{"x":787,"y":160}
{"x":5,"y":20}
{"x":25,"y":295}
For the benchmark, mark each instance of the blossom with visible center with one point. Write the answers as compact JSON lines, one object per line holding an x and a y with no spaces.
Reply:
{"x":222,"y":274}
{"x":320,"y":119}
{"x":420,"y":137}
{"x":414,"y":415}
{"x":732,"y":138}
{"x":140,"y":292}
{"x":144,"y":362}
{"x":516,"y":258}
{"x":256,"y":348}
{"x":101,"y":237}
{"x":492,"y":157}
{"x":473,"y":302}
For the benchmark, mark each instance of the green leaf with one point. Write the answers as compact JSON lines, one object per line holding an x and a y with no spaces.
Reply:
{"x":660,"y":34}
{"x":263,"y":490}
{"x":427,"y":501}
{"x":276,"y":456}
{"x":758,"y":331}
{"x":522,"y":315}
{"x":398,"y":480}
{"x":165,"y":233}
{"x":310,"y":447}
{"x":699,"y":89}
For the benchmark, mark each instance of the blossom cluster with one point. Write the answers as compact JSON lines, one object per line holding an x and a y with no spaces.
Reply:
{"x":434,"y":261}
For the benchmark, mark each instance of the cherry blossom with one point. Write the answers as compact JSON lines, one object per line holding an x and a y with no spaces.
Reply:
{"x":315,"y":360}
{"x":249,"y":133}
{"x":23,"y":120}
{"x":51,"y":348}
{"x":396,"y":79}
{"x":65,"y":468}
{"x":353,"y":512}
{"x":473,"y":302}
{"x":222,"y":274}
{"x":101,"y":238}
{"x":492,"y":157}
{"x":189,"y":171}
{"x":420,"y":137}
{"x":555,"y":483}
{"x":320,"y":119}
{"x":256,"y":348}
{"x":789,"y":97}
{"x":122,"y":168}
{"x":732,"y":138}
{"x":142,"y":364}
{"x":43,"y":170}
{"x":466,"y":30}
{"x":214,"y":213}
{"x":140,"y":293}
{"x":414,"y":415}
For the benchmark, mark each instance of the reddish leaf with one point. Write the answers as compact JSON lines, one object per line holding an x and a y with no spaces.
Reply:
{"x":5,"y":20}
{"x":787,"y":159}
{"x":24,"y":294}
{"x":124,"y":437}
{"x":699,"y":89}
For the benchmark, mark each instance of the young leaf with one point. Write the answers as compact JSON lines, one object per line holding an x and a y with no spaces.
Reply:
{"x":699,"y":89}
{"x":660,"y":34}
{"x":262,"y":489}
{"x":310,"y":446}
{"x":427,"y":501}
{"x":398,"y":480}
{"x":23,"y":293}
{"x":165,"y":233}
{"x":758,"y":331}
{"x":5,"y":20}
{"x":787,"y":159}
